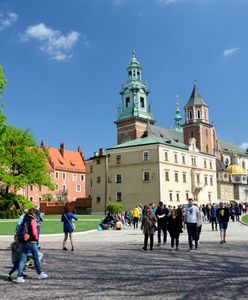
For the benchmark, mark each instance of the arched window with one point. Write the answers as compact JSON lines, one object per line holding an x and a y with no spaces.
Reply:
{"x":190,"y":114}
{"x":198,"y":114}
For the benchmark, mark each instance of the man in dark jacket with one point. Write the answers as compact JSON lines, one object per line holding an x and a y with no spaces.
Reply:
{"x":162,"y":217}
{"x":223,"y":218}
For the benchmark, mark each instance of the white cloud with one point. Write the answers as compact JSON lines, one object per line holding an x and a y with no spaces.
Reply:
{"x":230,"y":52}
{"x":8,"y":20}
{"x":244,"y":145}
{"x":53,"y":42}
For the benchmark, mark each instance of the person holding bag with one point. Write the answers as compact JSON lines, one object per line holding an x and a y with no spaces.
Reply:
{"x":69,"y":227}
{"x":148,"y":226}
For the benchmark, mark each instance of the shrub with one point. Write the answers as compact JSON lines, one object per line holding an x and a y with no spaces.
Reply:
{"x":114,"y":207}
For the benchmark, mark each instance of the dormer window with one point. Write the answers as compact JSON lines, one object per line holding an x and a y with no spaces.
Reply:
{"x":142,"y":102}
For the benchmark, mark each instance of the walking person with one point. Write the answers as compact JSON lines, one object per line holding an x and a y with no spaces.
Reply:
{"x":38,"y":219}
{"x":199,"y":223}
{"x":213,"y":217}
{"x":191,"y":217}
{"x":136,"y":216}
{"x":174,"y":228}
{"x":223,"y":218}
{"x":148,"y":227}
{"x":69,"y":227}
{"x":28,"y":237}
{"x":15,"y":257}
{"x":162,"y":217}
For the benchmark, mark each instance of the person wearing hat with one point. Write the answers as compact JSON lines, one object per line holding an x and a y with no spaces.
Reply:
{"x":162,"y":217}
{"x":223,"y":219}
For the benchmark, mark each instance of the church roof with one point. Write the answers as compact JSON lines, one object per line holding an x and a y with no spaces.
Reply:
{"x":165,"y":133}
{"x":149,"y":140}
{"x":236,"y":169}
{"x":229,"y":148}
{"x":195,"y":98}
{"x":220,"y":166}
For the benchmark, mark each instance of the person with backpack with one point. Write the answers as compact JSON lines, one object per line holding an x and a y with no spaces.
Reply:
{"x":69,"y":227}
{"x":28,"y":237}
{"x":162,"y":216}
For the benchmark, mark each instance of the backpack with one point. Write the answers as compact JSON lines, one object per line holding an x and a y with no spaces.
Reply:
{"x":22,"y":232}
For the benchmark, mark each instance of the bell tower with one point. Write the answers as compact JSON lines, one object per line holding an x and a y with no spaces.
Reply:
{"x":134,"y":113}
{"x":197,"y":124}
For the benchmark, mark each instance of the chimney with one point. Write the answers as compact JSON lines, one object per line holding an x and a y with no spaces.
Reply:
{"x":62,"y":148}
{"x":42,"y":144}
{"x":101,"y":152}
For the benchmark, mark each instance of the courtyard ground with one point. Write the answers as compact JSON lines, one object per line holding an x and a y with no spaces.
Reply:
{"x":112,"y":265}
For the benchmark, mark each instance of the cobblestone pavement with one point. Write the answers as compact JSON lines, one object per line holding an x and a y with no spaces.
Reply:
{"x":111,"y":265}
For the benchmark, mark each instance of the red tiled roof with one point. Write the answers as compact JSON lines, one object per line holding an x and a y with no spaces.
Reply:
{"x":70,"y":161}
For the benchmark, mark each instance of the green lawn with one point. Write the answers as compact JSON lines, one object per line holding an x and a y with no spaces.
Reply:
{"x":245,"y":219}
{"x":52,"y":224}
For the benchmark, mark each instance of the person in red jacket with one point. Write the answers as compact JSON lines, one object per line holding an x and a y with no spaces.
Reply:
{"x":29,"y":243}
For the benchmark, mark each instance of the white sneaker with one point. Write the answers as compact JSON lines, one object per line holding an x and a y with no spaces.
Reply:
{"x":20,"y":280}
{"x":42,"y":275}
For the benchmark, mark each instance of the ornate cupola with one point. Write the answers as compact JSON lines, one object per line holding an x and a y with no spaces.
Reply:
{"x":178,"y":118}
{"x":134,"y":113}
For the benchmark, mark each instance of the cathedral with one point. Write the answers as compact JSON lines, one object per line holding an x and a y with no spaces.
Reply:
{"x":151,"y":163}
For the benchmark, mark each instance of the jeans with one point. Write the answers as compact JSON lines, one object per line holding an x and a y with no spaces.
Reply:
{"x":146,"y":240}
{"x":14,"y":268}
{"x":214,"y":222}
{"x":25,"y":248}
{"x":164,"y":229}
{"x":192,"y":229}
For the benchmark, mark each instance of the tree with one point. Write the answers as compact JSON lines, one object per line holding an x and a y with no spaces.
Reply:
{"x":114,"y":207}
{"x":22,"y":162}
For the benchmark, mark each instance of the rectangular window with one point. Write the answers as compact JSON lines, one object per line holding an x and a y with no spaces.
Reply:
{"x":91,"y":169}
{"x":74,"y":177}
{"x":209,"y":197}
{"x":187,"y":196}
{"x":31,"y":188}
{"x":98,"y":199}
{"x":98,"y":161}
{"x":118,"y":178}
{"x":56,"y":175}
{"x":82,"y":177}
{"x":31,"y":199}
{"x":183,"y":160}
{"x":142,"y":102}
{"x":166,"y":156}
{"x":56,"y":187}
{"x":211,"y":181}
{"x":127,"y":102}
{"x":193,"y":160}
{"x":118,"y":159}
{"x":98,"y":179}
{"x":40,"y":188}
{"x":118,"y":196}
{"x":146,"y":175}
{"x":64,"y":188}
{"x":64,"y":176}
{"x":184,"y":177}
{"x":78,"y":188}
{"x":91,"y":183}
{"x":146,"y":155}
{"x":205,"y":164}
{"x":176,"y":177}
{"x":170,"y":196}
{"x":210,"y":165}
{"x":175,"y":158}
{"x":167,"y":178}
{"x":198,"y":179}
{"x":178,"y":198}
{"x":206,"y":180}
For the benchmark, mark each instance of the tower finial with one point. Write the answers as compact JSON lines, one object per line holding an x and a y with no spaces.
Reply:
{"x":133,"y":52}
{"x":177,"y":103}
{"x":195,"y":82}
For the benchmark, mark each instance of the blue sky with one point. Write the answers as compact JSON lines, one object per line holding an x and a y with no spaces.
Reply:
{"x":66,"y":60}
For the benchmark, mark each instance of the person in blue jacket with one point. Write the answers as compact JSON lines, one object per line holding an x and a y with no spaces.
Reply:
{"x":69,"y":227}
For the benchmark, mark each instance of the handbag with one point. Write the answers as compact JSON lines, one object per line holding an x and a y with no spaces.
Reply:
{"x":73,"y":227}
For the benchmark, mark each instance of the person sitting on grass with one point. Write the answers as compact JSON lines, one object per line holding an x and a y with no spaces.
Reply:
{"x":108,"y":222}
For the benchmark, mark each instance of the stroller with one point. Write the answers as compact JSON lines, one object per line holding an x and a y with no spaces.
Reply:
{"x":29,"y":264}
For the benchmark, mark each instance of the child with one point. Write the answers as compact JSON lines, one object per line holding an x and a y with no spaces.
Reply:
{"x":15,"y":257}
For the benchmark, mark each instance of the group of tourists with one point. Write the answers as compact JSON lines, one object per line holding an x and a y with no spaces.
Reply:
{"x":174,"y":220}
